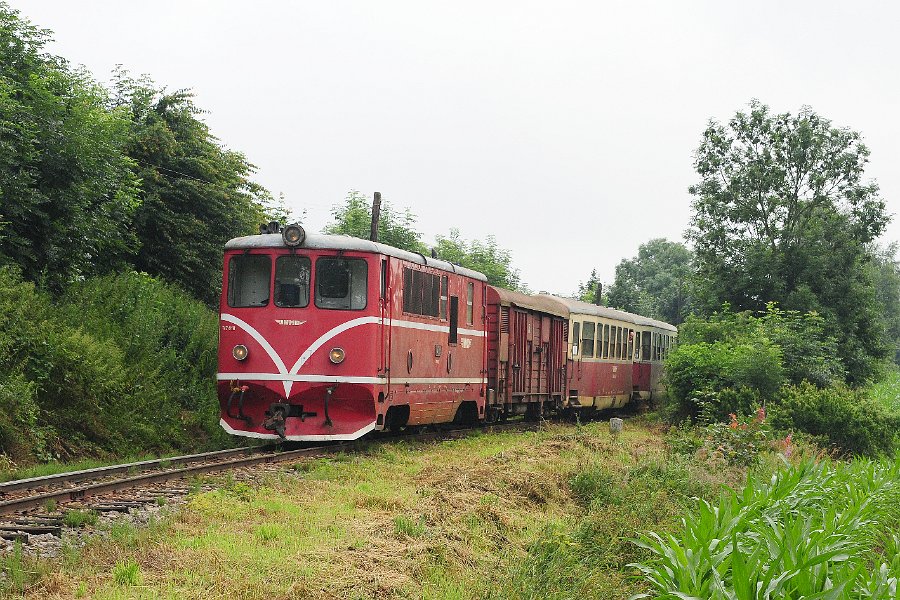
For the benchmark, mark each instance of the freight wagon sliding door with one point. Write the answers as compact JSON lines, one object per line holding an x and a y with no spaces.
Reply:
{"x":556,"y":357}
{"x":530,"y":353}
{"x":519,"y":352}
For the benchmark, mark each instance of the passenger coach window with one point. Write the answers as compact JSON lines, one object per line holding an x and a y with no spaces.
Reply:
{"x":645,"y":345}
{"x":249,"y":278}
{"x":587,"y":339}
{"x":292,"y":281}
{"x":341,"y":283}
{"x":576,"y":333}
{"x":605,"y":341}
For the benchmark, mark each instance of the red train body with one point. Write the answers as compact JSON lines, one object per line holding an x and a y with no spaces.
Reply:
{"x":331,"y":337}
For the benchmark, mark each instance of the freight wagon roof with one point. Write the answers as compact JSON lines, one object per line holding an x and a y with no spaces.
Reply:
{"x":539,"y":303}
{"x":319,"y":241}
{"x":585,"y":308}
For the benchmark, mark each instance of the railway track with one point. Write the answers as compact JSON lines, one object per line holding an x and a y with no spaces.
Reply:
{"x":23,"y":502}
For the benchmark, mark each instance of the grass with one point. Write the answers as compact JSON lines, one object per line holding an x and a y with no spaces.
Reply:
{"x":127,"y":573}
{"x":887,"y":391}
{"x":80,"y":518}
{"x":406,"y":527}
{"x":545,"y":514}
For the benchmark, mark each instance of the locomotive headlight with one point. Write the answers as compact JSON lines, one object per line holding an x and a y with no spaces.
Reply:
{"x":293,"y":235}
{"x":240,"y":352}
{"x":336,"y":355}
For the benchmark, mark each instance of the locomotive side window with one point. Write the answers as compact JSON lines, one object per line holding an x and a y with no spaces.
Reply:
{"x":249,"y":278}
{"x":470,"y":304}
{"x":424,"y":294}
{"x":429,"y":306}
{"x":587,"y":339}
{"x":292,"y":281}
{"x":341,"y":283}
{"x":576,"y":333}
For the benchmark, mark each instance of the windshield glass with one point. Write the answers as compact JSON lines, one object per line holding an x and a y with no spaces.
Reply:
{"x":341,"y":283}
{"x":248,"y":280}
{"x":292,"y":281}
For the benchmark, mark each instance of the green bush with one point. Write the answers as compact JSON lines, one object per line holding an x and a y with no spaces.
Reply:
{"x":707,"y":381}
{"x":848,"y":419}
{"x":169,"y":341}
{"x":119,"y":364}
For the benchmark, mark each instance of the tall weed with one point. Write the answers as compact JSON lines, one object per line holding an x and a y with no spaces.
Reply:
{"x":813,"y":530}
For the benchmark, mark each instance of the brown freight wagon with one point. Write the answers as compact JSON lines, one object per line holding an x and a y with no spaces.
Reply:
{"x":526,"y":361}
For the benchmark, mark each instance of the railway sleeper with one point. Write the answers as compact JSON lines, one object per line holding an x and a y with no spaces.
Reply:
{"x":32,"y":529}
{"x":110,"y":508}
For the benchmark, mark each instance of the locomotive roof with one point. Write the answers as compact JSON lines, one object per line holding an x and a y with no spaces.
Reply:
{"x":585,"y":308}
{"x":540,"y":303}
{"x":320,"y":241}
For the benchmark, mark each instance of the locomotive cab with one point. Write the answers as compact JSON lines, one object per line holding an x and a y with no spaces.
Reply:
{"x":298,"y":341}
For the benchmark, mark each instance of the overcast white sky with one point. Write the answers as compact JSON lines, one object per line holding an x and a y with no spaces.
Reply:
{"x":565,"y":129}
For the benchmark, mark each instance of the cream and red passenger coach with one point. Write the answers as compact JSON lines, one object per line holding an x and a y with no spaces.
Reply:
{"x":329,"y":337}
{"x":613,"y":356}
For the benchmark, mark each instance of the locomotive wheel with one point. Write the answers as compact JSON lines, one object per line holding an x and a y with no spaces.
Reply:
{"x":466,"y":414}
{"x":396,"y":418}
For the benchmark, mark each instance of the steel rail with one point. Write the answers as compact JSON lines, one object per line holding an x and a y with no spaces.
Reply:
{"x":105,"y":487}
{"x":143,"y":465}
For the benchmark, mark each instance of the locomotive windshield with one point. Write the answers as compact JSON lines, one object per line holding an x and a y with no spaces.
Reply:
{"x":292,"y":281}
{"x":248,"y":280}
{"x":341,"y":283}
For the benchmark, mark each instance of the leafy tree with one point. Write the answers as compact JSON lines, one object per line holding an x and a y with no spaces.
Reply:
{"x":885,"y":270}
{"x":196,"y":194}
{"x":781,"y":213}
{"x":588,"y":290}
{"x":67,"y":191}
{"x":397,"y":229}
{"x":485,"y":257}
{"x":655,"y":282}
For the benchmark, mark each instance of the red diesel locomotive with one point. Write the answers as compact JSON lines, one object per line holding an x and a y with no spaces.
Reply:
{"x":329,"y":337}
